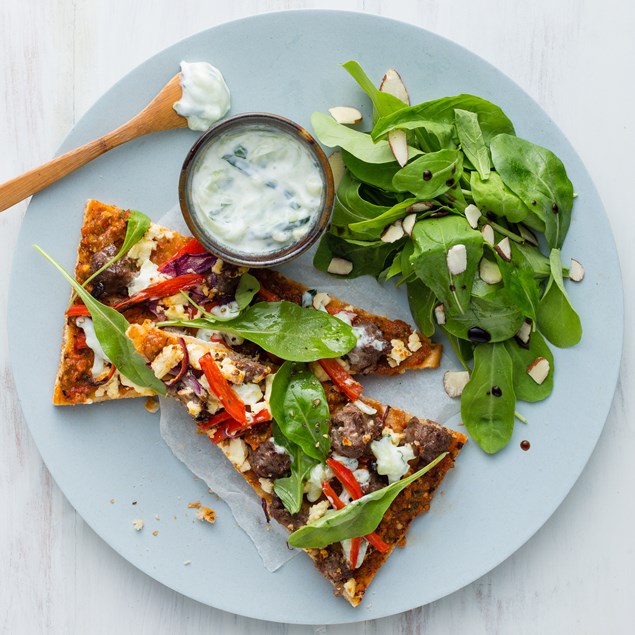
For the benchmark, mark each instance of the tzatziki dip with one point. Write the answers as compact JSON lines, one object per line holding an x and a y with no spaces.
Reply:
{"x":256,"y":189}
{"x":205,"y":98}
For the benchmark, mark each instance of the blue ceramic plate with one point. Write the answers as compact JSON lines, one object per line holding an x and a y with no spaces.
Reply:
{"x":288,"y":63}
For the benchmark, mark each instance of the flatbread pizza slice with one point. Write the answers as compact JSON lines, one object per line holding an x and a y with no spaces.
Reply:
{"x":371,"y":447}
{"x":144,"y":284}
{"x":306,"y":448}
{"x":147,"y":283}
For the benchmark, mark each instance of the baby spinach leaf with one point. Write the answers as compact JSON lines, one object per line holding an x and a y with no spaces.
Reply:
{"x":358,"y":518}
{"x":247,"y":288}
{"x":539,"y":178}
{"x":494,"y":196}
{"x":136,"y":226}
{"x":379,"y":175}
{"x":290,"y":489}
{"x":430,"y":175}
{"x":350,"y":207}
{"x":374,"y":227}
{"x":368,"y":258}
{"x":492,"y":119}
{"x":284,"y":329}
{"x":110,"y":328}
{"x":299,"y":406}
{"x":521,"y":287}
{"x":383,"y":103}
{"x":422,"y":301}
{"x":472,"y":141}
{"x":525,"y":387}
{"x":359,"y":144}
{"x":488,"y":401}
{"x":493,"y":313}
{"x":557,"y":318}
{"x":433,"y":238}
{"x":538,"y":262}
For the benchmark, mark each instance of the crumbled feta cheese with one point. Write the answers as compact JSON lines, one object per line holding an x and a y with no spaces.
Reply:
{"x":207,"y":334}
{"x":266,"y":484}
{"x":398,"y":354}
{"x":318,"y":510}
{"x":148,"y":274}
{"x":345,"y":317}
{"x":226,"y":311}
{"x":138,"y":524}
{"x":176,"y":312}
{"x":249,"y":394}
{"x":166,"y":360}
{"x":392,"y":460}
{"x":351,"y":464}
{"x":236,"y":451}
{"x":362,"y":476}
{"x":364,"y":340}
{"x":414,"y":342}
{"x":307,"y":298}
{"x":142,"y":250}
{"x":313,"y":486}
{"x":194,"y":408}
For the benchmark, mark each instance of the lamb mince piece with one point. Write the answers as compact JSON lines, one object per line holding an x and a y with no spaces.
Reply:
{"x":267,"y":462}
{"x":428,"y":440}
{"x":114,"y":279}
{"x":371,"y":345}
{"x":352,"y":431}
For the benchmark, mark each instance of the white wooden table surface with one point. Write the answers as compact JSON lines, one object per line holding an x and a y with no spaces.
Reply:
{"x":577,"y":575}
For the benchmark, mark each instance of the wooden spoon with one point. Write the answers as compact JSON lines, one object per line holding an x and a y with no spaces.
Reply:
{"x":157,"y":115}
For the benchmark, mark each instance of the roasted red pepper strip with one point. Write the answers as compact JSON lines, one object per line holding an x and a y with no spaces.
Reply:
{"x":342,"y":379}
{"x":335,"y":500}
{"x":80,"y":341}
{"x":192,"y":247}
{"x":220,"y":387}
{"x":356,"y":543}
{"x":162,"y":289}
{"x":153,"y":292}
{"x":229,"y":427}
{"x":346,"y":478}
{"x":217,"y":419}
{"x":268,"y":296}
{"x":78,"y":310}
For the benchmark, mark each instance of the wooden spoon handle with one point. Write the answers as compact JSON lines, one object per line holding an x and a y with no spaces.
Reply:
{"x":37,"y":179}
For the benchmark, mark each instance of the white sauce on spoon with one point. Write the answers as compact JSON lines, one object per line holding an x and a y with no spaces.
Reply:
{"x":257,"y":189}
{"x":205,"y":97}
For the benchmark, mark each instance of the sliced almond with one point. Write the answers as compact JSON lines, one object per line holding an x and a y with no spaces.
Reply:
{"x":472,"y":214}
{"x":524,"y":333}
{"x":398,"y":143}
{"x":408,"y":223}
{"x":346,"y":114}
{"x":420,"y":206}
{"x":454,"y":381}
{"x":457,"y":259}
{"x":488,"y":234}
{"x":393,"y":232}
{"x":340,"y":267}
{"x":538,"y":370}
{"x":337,"y":167}
{"x":393,"y":85}
{"x":527,"y":235}
{"x":504,"y":249}
{"x":489,"y":272}
{"x":439,"y":313}
{"x":576,"y":271}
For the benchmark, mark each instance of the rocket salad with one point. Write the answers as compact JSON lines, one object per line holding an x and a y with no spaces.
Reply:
{"x":443,"y":197}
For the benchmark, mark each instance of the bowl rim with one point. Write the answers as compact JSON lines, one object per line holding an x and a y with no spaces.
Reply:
{"x":277,"y":257}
